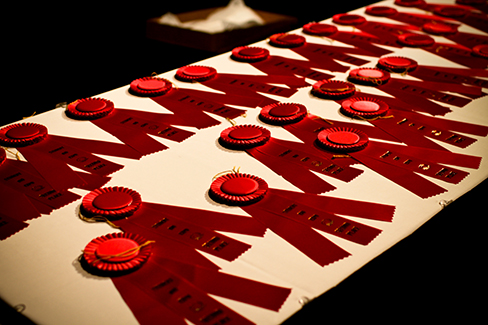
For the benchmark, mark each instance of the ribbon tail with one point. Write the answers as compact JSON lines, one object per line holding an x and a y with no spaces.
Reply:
{"x":308,"y":241}
{"x":213,"y":220}
{"x":57,"y":173}
{"x":139,"y":141}
{"x":144,"y":308}
{"x":10,"y":226}
{"x":298,"y":176}
{"x":360,"y":209}
{"x":404,"y":178}
{"x":230,"y":286}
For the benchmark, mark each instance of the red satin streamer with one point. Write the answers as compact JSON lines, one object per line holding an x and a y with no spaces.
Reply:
{"x":418,"y":93}
{"x":393,"y":64}
{"x":410,"y":127}
{"x":25,"y":196}
{"x":436,"y":25}
{"x":50,"y":157}
{"x":10,"y":226}
{"x":294,"y":216}
{"x":401,"y":164}
{"x":462,"y":13}
{"x":394,"y":35}
{"x":356,"y":39}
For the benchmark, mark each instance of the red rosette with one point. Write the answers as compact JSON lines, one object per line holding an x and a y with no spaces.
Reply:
{"x":450,"y":11}
{"x":238,"y":189}
{"x":381,"y":11}
{"x":150,"y":86}
{"x":397,"y":64}
{"x":333,"y":89}
{"x":342,"y":139}
{"x":348,"y":19}
{"x":364,"y":107}
{"x":319,"y":29}
{"x":22,"y":134}
{"x":436,"y":28}
{"x":282,"y":113}
{"x":194,"y":73}
{"x":410,"y":3}
{"x":249,"y":54}
{"x":481,"y":51}
{"x":111,"y":202}
{"x":415,"y":40}
{"x":369,"y":76}
{"x":287,"y":40}
{"x":89,"y":108}
{"x":243,"y":137}
{"x":116,"y":253}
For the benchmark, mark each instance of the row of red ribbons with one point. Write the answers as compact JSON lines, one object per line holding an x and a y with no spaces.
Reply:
{"x":155,"y":262}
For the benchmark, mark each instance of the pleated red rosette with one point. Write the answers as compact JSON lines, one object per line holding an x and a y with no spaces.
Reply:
{"x":111,"y":202}
{"x":150,"y":86}
{"x":319,"y":29}
{"x":333,"y":89}
{"x":116,"y":253}
{"x":287,"y":40}
{"x":381,"y":11}
{"x":348,"y":19}
{"x":439,"y":29}
{"x":364,"y":107}
{"x":89,"y":108}
{"x":397,"y":64}
{"x":369,"y":76}
{"x":238,"y":189}
{"x":481,"y":51}
{"x":415,"y":40}
{"x":22,"y":134}
{"x":282,"y":113}
{"x":342,"y":139}
{"x":195,"y":73}
{"x":244,"y":136}
{"x":250,"y":54}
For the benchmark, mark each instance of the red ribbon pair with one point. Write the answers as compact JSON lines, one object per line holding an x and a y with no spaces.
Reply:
{"x":294,"y":216}
{"x":51,"y":155}
{"x":26,"y":194}
{"x":411,"y":36}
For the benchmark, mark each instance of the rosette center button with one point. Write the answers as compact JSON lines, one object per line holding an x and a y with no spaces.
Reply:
{"x":343,"y":138}
{"x":245,"y":133}
{"x":365,"y":106}
{"x":91,"y":106}
{"x":117,"y":250}
{"x":113,"y":201}
{"x":240,"y":186}
{"x":23,"y":132}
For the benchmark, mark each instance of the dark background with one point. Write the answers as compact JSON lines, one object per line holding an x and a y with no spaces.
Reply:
{"x":62,"y":52}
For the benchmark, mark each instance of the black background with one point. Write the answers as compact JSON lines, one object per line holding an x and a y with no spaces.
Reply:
{"x":62,"y":52}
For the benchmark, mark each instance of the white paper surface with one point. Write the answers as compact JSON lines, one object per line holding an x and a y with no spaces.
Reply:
{"x":39,"y":267}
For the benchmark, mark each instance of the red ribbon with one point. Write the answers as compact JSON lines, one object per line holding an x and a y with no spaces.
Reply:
{"x":293,"y":215}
